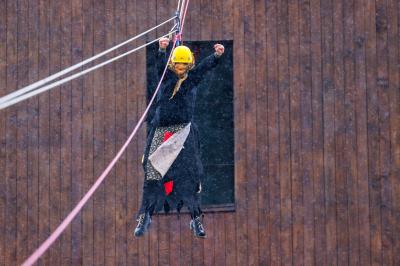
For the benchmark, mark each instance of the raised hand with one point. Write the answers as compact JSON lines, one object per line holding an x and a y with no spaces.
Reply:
{"x":219,"y":49}
{"x":163,"y":43}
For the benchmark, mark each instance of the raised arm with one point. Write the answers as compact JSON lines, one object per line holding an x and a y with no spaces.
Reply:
{"x":161,"y":57}
{"x":207,"y":64}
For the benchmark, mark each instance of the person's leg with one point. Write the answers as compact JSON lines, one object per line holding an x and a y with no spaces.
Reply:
{"x":149,"y":200}
{"x":144,"y":221}
{"x":196,"y":224}
{"x":143,"y":218}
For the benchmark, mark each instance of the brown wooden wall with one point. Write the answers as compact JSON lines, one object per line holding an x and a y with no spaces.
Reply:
{"x":317,"y":133}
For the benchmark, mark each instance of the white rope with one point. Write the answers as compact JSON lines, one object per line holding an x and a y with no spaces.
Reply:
{"x":64,"y":80}
{"x":71,"y":68}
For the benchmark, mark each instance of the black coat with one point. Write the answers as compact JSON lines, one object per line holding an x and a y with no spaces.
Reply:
{"x":180,"y":108}
{"x":187,"y":169}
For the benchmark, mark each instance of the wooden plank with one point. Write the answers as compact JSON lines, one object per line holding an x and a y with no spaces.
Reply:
{"x":375,"y":184}
{"x":217,"y":20}
{"x":55,"y":130}
{"x":87,"y":137}
{"x":393,"y":14}
{"x":317,"y":132}
{"x":99,"y":134}
{"x":209,"y":243}
{"x":109,"y":125}
{"x":219,"y":246}
{"x":186,"y":242}
{"x":206,"y":20}
{"x":171,"y":9}
{"x":44,"y":100}
{"x":240,"y":137}
{"x":251,"y":125}
{"x":33,"y":123}
{"x":230,"y":238}
{"x":261,"y":83}
{"x":121,"y":136}
{"x":3,"y":127}
{"x":295,"y":116}
{"x":163,"y":239}
{"x":228,"y":218}
{"x":382,"y":84}
{"x":350,"y":145}
{"x":76,"y":129}
{"x":328,"y":124}
{"x":162,"y":13}
{"x":189,"y":19}
{"x":193,"y":21}
{"x":306,"y":153}
{"x":22,"y":135}
{"x":146,"y":243}
{"x":10,"y":253}
{"x":66,"y":128}
{"x":273,"y":189}
{"x":361,"y":127}
{"x":227,"y":15}
{"x":133,"y":154}
{"x":342,"y":162}
{"x":147,"y":22}
{"x":175,"y":241}
{"x":284,"y":134}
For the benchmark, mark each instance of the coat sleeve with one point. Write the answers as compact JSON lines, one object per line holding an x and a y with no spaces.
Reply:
{"x":161,"y":61}
{"x":206,"y":65}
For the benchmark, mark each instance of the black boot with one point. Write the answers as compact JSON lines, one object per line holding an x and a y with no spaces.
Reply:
{"x":144,"y":221}
{"x":197,"y":227}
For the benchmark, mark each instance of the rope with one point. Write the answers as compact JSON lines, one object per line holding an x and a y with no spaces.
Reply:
{"x":181,"y":21}
{"x":77,"y":75}
{"x":53,"y":237}
{"x":50,"y":240}
{"x":182,"y":9}
{"x":76,"y":66}
{"x":184,"y":17}
{"x":179,"y":5}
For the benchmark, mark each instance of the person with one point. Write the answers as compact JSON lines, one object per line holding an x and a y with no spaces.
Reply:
{"x":171,"y":160}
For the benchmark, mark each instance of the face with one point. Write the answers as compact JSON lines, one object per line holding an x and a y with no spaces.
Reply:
{"x":180,"y":68}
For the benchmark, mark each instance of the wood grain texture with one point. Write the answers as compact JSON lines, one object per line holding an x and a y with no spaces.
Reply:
{"x":87,"y":136}
{"x":3,"y":126}
{"x":317,"y":133}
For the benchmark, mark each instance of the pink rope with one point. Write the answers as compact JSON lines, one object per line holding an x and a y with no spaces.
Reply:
{"x":184,"y":16}
{"x":50,"y":240}
{"x":53,"y":237}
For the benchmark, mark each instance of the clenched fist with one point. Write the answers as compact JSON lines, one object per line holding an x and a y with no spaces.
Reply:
{"x":163,"y":43}
{"x":219,"y":49}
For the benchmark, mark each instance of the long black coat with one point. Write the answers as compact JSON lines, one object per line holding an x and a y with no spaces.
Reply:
{"x":187,"y":170}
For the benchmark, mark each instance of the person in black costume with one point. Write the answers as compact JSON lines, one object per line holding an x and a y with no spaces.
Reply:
{"x":171,"y":160}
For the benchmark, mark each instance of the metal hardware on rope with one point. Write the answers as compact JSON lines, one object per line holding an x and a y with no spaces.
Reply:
{"x":177,"y":38}
{"x":44,"y":81}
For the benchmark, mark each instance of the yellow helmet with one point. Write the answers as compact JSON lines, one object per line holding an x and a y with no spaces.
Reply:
{"x":182,"y":54}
